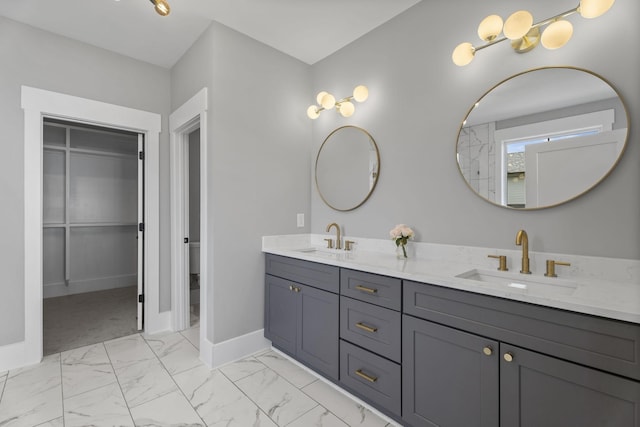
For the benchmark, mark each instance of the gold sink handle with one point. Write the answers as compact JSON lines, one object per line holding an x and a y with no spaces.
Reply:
{"x":503,"y":261}
{"x":551,"y":267}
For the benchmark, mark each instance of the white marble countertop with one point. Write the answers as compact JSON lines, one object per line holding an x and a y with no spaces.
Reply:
{"x":603,"y":287}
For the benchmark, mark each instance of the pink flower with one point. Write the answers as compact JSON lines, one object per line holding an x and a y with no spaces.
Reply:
{"x":401,"y":231}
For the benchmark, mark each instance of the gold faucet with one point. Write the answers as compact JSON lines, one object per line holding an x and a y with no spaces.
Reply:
{"x":338,"y":242}
{"x":523,"y":239}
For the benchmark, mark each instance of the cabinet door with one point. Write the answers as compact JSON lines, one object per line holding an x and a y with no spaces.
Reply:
{"x":318,"y":329}
{"x":449,"y":378}
{"x":280,"y":313}
{"x":538,"y":390}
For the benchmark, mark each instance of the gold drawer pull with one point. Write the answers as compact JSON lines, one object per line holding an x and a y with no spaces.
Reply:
{"x":365,"y":327}
{"x":365,"y":289}
{"x":365,"y":376}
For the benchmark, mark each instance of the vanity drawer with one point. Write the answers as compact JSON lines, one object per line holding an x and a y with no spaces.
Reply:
{"x":370,"y":376}
{"x":322,"y":276}
{"x":606,"y":344}
{"x":380,"y":290}
{"x":372,"y":327}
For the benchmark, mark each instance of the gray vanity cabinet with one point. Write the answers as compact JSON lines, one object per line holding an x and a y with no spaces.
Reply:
{"x":539,"y":367}
{"x":538,"y":390}
{"x":370,"y":326}
{"x":280,"y":315}
{"x":302,"y":311}
{"x":450,"y":378}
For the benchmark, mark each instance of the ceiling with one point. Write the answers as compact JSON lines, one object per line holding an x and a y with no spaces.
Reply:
{"x":309,"y":30}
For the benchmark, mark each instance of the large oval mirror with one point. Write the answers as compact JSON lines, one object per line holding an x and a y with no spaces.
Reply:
{"x":542,"y":137}
{"x":347,"y":168}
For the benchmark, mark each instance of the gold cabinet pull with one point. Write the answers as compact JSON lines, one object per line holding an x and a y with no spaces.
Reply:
{"x":296,"y":289}
{"x":365,"y":289}
{"x":365,"y":376}
{"x":508,"y":356}
{"x":366,"y":328}
{"x":291,"y":287}
{"x":487,"y":350}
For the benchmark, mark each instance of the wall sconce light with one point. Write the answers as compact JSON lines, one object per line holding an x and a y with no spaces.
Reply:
{"x":344,"y":106}
{"x":161,"y":6}
{"x":524,"y":34}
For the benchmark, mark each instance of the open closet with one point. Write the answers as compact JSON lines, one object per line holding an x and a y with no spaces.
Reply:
{"x":91,"y":234}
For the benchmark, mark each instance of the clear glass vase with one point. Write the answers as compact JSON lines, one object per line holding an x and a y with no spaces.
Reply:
{"x":401,"y":251}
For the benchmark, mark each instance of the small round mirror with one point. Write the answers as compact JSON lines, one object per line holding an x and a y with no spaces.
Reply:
{"x":542,"y":137}
{"x":347,"y":168}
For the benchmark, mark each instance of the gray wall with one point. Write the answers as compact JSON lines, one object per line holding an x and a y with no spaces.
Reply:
{"x":258,"y":159}
{"x":418,"y":99}
{"x":39,"y":59}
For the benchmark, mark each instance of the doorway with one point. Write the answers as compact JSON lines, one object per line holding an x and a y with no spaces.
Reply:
{"x":193,"y":205}
{"x":188,"y":128}
{"x":39,"y":103}
{"x":93,"y":251}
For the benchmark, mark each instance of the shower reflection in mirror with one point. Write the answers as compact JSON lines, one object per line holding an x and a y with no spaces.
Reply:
{"x":528,"y":145}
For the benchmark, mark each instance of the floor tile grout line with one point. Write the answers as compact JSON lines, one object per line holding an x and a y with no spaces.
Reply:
{"x":179,"y":388}
{"x":92,"y":389}
{"x":245,"y":394}
{"x":316,"y":379}
{"x":302,"y":415}
{"x":61,"y":391}
{"x":283,"y":377}
{"x":4,"y":385}
{"x":189,"y":341}
{"x":280,"y":376}
{"x":118,"y":382}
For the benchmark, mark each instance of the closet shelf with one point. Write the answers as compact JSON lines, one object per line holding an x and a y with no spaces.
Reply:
{"x":91,"y":224}
{"x":88,"y":151}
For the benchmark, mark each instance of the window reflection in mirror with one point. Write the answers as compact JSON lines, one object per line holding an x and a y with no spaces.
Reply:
{"x":542,"y":137}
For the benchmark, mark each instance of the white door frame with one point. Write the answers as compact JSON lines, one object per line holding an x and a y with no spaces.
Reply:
{"x":37,"y":104}
{"x":188,"y":117}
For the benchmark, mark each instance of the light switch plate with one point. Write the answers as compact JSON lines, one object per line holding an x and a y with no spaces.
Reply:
{"x":300,"y":220}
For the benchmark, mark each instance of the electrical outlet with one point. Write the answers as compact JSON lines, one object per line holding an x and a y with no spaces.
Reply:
{"x":300,"y":220}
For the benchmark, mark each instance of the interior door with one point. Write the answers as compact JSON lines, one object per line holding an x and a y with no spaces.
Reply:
{"x":560,"y":170}
{"x":140,"y":231}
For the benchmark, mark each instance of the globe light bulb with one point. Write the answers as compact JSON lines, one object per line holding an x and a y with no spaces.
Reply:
{"x":594,"y":8}
{"x":361,"y":93}
{"x":490,"y":28}
{"x":319,"y":96}
{"x":346,"y":109}
{"x":328,"y":101}
{"x":518,"y":25}
{"x":557,"y":34}
{"x":312,"y":112}
{"x":463,"y":54}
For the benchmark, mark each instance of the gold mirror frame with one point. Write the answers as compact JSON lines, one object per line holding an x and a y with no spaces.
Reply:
{"x":589,"y":187}
{"x":375,"y":173}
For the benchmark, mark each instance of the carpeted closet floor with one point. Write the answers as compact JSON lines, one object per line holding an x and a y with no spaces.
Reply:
{"x":77,"y":320}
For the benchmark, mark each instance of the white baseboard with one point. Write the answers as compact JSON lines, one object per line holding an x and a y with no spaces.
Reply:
{"x":216,"y":355}
{"x":16,"y":355}
{"x":51,"y":290}
{"x":159,"y":322}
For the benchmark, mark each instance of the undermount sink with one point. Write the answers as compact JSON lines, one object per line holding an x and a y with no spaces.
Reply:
{"x":325,"y":252}
{"x":520,"y":283}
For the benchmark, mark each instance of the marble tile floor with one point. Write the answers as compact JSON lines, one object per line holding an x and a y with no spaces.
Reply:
{"x":158,"y":380}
